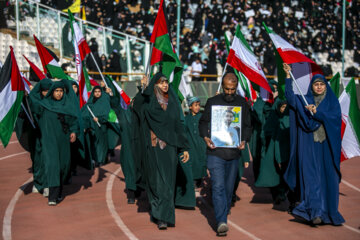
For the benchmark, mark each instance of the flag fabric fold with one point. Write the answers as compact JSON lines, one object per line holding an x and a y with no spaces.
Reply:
{"x":50,"y":65}
{"x":245,"y":89}
{"x":81,"y":51}
{"x":118,"y":92}
{"x":11,"y":94}
{"x":242,"y":58}
{"x":350,"y":130}
{"x":163,"y":52}
{"x":36,"y":70}
{"x":335,"y":84}
{"x":303,"y":68}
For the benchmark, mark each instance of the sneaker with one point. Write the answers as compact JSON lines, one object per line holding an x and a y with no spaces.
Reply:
{"x":222,"y":229}
{"x":162,"y":225}
{"x":46,"y":192}
{"x":34,"y":189}
{"x":316,"y":220}
{"x":52,"y":203}
{"x":131,"y":201}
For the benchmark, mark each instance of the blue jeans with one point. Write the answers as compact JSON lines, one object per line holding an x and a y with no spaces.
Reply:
{"x":222,"y":175}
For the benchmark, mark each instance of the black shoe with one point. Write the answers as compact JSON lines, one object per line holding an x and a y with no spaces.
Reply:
{"x":162,"y":225}
{"x":131,"y":201}
{"x":316,"y":221}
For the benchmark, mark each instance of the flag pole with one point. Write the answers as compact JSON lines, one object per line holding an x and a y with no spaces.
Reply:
{"x":92,"y":114}
{"x":28,"y":116}
{"x":222,"y":77}
{"x":147,"y":69}
{"x":98,"y":68}
{"x":298,"y":88}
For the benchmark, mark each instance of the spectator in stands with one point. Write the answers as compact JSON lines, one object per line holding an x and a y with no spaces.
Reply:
{"x":196,"y":69}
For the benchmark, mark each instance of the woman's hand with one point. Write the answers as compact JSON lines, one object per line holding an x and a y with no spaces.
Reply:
{"x":72,"y":137}
{"x":246,"y":164}
{"x":185,"y":157}
{"x":287,"y":69}
{"x":311,"y":108}
{"x":209,"y":143}
{"x":144,"y":81}
{"x":96,"y":119}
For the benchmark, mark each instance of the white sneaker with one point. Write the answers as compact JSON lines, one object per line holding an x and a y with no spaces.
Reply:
{"x":46,"y":192}
{"x":222,"y":229}
{"x":34,"y":189}
{"x":52,"y":203}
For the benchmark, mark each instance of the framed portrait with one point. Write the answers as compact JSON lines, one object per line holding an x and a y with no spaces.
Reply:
{"x":226,"y":126}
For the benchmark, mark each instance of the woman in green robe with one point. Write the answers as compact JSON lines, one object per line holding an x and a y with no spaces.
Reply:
{"x":276,"y":153}
{"x":30,"y":137}
{"x":96,"y":126}
{"x":164,"y":138}
{"x":59,"y":126}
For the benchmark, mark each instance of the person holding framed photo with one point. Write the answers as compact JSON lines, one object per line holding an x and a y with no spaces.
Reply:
{"x":223,"y":159}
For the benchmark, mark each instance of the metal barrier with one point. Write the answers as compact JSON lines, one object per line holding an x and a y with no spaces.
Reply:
{"x":52,"y":27}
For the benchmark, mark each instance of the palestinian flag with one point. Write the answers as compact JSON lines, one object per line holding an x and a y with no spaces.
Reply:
{"x":350,"y":130}
{"x":245,"y":89}
{"x":303,"y":68}
{"x":335,"y":84}
{"x":26,"y":82}
{"x":49,"y":63}
{"x":11,"y":95}
{"x":36,"y":70}
{"x":118,"y":92}
{"x":244,"y":60}
{"x":81,"y":51}
{"x":163,"y":52}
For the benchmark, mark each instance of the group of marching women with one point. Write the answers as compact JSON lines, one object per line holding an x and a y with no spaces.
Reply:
{"x":295,"y":149}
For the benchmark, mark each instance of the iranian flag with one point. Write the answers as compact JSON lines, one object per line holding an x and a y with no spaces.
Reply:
{"x":11,"y":95}
{"x":335,"y":84}
{"x":245,"y":88}
{"x":163,"y":52}
{"x":302,"y":67}
{"x":36,"y":70}
{"x":350,"y":130}
{"x":118,"y":92}
{"x":50,"y":65}
{"x":244,"y":60}
{"x":81,"y":51}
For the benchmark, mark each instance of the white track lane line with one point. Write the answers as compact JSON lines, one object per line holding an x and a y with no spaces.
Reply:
{"x":237,"y":227}
{"x":350,"y":185}
{"x":12,"y":155}
{"x":112,"y":209}
{"x":351,"y":228}
{"x":10,"y":210}
{"x":11,"y":142}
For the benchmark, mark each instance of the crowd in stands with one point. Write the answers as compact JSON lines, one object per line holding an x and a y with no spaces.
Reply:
{"x":313,"y":26}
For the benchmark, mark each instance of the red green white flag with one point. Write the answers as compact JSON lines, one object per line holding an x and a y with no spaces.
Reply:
{"x":163,"y":52}
{"x":49,"y":63}
{"x":81,"y":51}
{"x":242,"y":58}
{"x":350,"y":130}
{"x":303,"y":68}
{"x":11,"y":95}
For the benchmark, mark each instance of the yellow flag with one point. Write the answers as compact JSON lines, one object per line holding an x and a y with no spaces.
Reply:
{"x":75,"y":7}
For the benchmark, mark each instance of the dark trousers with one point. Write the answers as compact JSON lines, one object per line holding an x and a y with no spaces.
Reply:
{"x":222,"y":175}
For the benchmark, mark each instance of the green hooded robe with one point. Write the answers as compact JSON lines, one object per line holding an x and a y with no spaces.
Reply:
{"x":96,"y":137}
{"x":197,"y":146}
{"x":57,"y":120}
{"x":159,"y":166}
{"x":276,"y":152}
{"x":29,"y":137}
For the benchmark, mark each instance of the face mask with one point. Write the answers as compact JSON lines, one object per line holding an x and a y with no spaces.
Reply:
{"x":228,"y":97}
